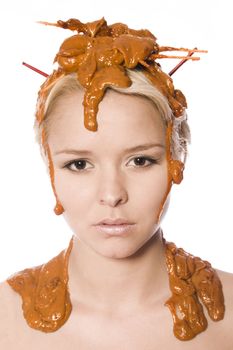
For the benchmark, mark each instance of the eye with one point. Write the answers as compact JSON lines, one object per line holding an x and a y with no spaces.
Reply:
{"x":79,"y":164}
{"x":140,"y":160}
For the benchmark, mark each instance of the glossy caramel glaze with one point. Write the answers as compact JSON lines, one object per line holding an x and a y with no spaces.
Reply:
{"x":99,"y":54}
{"x":192,"y":281}
{"x":47,"y":306}
{"x":45,"y":294}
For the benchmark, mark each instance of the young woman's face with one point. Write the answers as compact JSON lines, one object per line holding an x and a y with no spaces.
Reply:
{"x":110,"y":181}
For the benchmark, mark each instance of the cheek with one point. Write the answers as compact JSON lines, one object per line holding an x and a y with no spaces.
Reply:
{"x":73,"y":193}
{"x":78,"y":195}
{"x":153,"y":187}
{"x":153,"y":195}
{"x":76,"y":198}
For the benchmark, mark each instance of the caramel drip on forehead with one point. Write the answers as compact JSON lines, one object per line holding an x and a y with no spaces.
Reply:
{"x":47,"y":306}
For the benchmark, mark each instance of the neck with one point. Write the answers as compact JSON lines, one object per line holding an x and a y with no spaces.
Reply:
{"x":140,"y":280}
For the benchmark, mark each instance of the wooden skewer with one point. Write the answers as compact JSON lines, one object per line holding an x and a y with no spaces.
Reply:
{"x":181,"y":63}
{"x":35,"y":69}
{"x":48,"y":23}
{"x":170,"y":73}
{"x":154,"y":56}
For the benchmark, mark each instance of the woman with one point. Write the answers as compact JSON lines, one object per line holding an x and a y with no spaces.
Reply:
{"x":112,"y":174}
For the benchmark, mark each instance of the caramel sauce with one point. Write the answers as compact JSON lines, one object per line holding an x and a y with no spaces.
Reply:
{"x":99,"y":57}
{"x":192,"y":280}
{"x":99,"y":54}
{"x":44,"y":290}
{"x":46,"y":300}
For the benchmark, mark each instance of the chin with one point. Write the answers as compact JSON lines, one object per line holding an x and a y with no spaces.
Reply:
{"x":119,"y":250}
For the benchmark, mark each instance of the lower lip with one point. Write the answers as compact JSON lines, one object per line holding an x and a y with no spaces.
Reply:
{"x":115,"y":230}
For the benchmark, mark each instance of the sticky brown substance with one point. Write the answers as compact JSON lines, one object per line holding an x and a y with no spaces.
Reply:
{"x":99,"y":58}
{"x":175,"y":170}
{"x":99,"y":54}
{"x":45,"y":294}
{"x":192,"y":280}
{"x":46,"y":300}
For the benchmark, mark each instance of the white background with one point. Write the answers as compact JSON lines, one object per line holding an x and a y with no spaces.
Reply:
{"x":200,"y":215}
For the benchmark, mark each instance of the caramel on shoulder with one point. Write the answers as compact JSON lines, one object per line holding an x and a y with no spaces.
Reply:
{"x":46,"y":301}
{"x":44,"y":290}
{"x":192,"y":280}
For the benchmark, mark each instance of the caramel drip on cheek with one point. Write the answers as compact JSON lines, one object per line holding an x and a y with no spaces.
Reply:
{"x":169,"y":177}
{"x":191,"y":279}
{"x":58,"y":209}
{"x":44,"y":91}
{"x":174,"y":169}
{"x":44,"y":291}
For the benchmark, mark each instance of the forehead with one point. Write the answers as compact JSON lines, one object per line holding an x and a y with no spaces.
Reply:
{"x":122,"y":120}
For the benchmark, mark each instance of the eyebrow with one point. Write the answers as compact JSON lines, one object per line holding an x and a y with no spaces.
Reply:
{"x":127,"y":150}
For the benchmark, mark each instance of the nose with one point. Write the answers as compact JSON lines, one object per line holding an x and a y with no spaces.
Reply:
{"x":112,"y":189}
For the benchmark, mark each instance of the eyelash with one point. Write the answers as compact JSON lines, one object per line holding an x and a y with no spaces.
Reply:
{"x":151,"y":160}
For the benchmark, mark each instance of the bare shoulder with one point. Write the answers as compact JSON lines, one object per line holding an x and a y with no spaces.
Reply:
{"x":226,"y":279}
{"x":7,"y":296}
{"x":8,"y":317}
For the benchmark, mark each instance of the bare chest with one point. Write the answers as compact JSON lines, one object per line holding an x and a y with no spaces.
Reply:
{"x":88,"y":330}
{"x":147,"y":331}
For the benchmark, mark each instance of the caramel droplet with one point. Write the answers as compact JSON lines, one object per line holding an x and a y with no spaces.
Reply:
{"x":58,"y":209}
{"x":176,"y":168}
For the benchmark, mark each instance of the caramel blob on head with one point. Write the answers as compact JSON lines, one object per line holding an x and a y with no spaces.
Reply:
{"x":99,"y":54}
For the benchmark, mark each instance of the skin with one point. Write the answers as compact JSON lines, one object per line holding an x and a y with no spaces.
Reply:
{"x":118,"y":286}
{"x":112,"y":185}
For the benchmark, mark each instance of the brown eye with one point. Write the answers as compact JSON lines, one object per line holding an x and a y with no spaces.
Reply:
{"x":79,"y":165}
{"x":140,"y":161}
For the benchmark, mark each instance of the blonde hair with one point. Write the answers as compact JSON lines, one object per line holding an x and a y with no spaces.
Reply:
{"x":141,"y":86}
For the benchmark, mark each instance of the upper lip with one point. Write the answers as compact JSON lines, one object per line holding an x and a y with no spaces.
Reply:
{"x":118,"y":221}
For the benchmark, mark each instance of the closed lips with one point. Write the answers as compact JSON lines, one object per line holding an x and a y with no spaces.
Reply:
{"x":119,"y":221}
